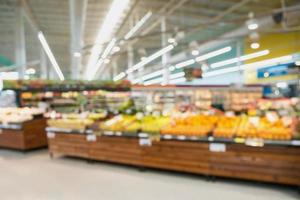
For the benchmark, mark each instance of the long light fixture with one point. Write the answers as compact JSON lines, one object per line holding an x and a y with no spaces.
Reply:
{"x":241,"y":58}
{"x":203,"y":57}
{"x":178,"y":80}
{"x":213,"y":54}
{"x":161,"y":79}
{"x":267,"y":62}
{"x":150,"y":58}
{"x":50,"y":55}
{"x":105,"y":32}
{"x":138,"y":25}
{"x":119,"y":76}
{"x":185,"y":63}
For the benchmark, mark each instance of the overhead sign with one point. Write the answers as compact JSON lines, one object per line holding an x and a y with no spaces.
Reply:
{"x":279,"y":70}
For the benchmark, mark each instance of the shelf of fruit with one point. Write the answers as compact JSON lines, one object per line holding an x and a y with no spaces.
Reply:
{"x":12,"y":118}
{"x":72,"y":122}
{"x":195,"y":125}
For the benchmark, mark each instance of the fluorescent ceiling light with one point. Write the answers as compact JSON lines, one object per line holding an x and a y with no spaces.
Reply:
{"x":153,"y":74}
{"x":120,"y":76}
{"x":108,"y":49}
{"x":105,"y":32}
{"x":161,"y":79}
{"x":153,"y":81}
{"x":213,"y":54}
{"x":150,"y":58}
{"x":138,"y":26}
{"x":237,"y":59}
{"x":178,"y":80}
{"x":50,"y":55}
{"x":177,"y":75}
{"x":263,"y":63}
{"x":185,"y":63}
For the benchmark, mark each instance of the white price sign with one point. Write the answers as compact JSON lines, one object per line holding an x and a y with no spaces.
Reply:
{"x":181,"y":137}
{"x":50,"y":135}
{"x":91,"y":138}
{"x":108,"y":133}
{"x":217,"y":147}
{"x":145,"y":142}
{"x":118,"y":133}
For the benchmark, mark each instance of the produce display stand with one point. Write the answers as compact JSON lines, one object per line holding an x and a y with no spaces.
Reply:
{"x":268,"y":161}
{"x":25,"y":136}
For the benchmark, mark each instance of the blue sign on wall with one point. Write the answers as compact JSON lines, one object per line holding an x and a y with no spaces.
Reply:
{"x":279,"y":70}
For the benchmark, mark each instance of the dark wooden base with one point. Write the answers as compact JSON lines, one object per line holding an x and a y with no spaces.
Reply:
{"x":31,"y":136}
{"x":277,"y":164}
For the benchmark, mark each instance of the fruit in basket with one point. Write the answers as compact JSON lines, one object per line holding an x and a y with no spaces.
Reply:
{"x":152,"y":124}
{"x":196,"y":125}
{"x":226,"y":127}
{"x":264,"y":128}
{"x":75,"y":124}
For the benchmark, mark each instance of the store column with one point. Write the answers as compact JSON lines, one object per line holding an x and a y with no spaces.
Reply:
{"x":166,"y":56}
{"x":20,"y":50}
{"x":77,"y":19}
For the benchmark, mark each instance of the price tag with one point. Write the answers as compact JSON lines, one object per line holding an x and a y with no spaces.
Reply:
{"x":295,"y":142}
{"x":181,"y":137}
{"x":145,"y":142}
{"x":239,"y":140}
{"x":50,"y":135}
{"x":91,"y":138}
{"x":229,"y":114}
{"x":254,"y":142}
{"x":167,"y":137}
{"x":143,"y":135}
{"x":118,"y":133}
{"x":217,"y":147}
{"x":194,"y":138}
{"x":254,"y":121}
{"x":108,"y":133}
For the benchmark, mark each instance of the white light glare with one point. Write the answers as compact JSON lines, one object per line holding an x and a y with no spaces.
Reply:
{"x":252,"y":26}
{"x":30,"y":71}
{"x":254,"y":45}
{"x":120,"y":76}
{"x":297,"y":63}
{"x":195,"y":52}
{"x":282,"y":84}
{"x":138,"y":26}
{"x":242,"y":58}
{"x":77,"y":54}
{"x":50,"y":55}
{"x":150,"y":58}
{"x":171,"y":40}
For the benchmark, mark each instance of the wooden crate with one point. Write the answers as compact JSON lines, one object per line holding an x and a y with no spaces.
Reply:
{"x":31,"y":136}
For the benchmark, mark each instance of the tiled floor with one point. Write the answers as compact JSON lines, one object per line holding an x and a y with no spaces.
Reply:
{"x":35,"y":176}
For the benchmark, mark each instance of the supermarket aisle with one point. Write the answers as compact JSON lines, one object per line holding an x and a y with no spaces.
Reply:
{"x":34,"y":176}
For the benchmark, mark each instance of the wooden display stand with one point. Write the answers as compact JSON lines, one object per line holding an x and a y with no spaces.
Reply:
{"x":26,"y":136}
{"x":271,"y":163}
